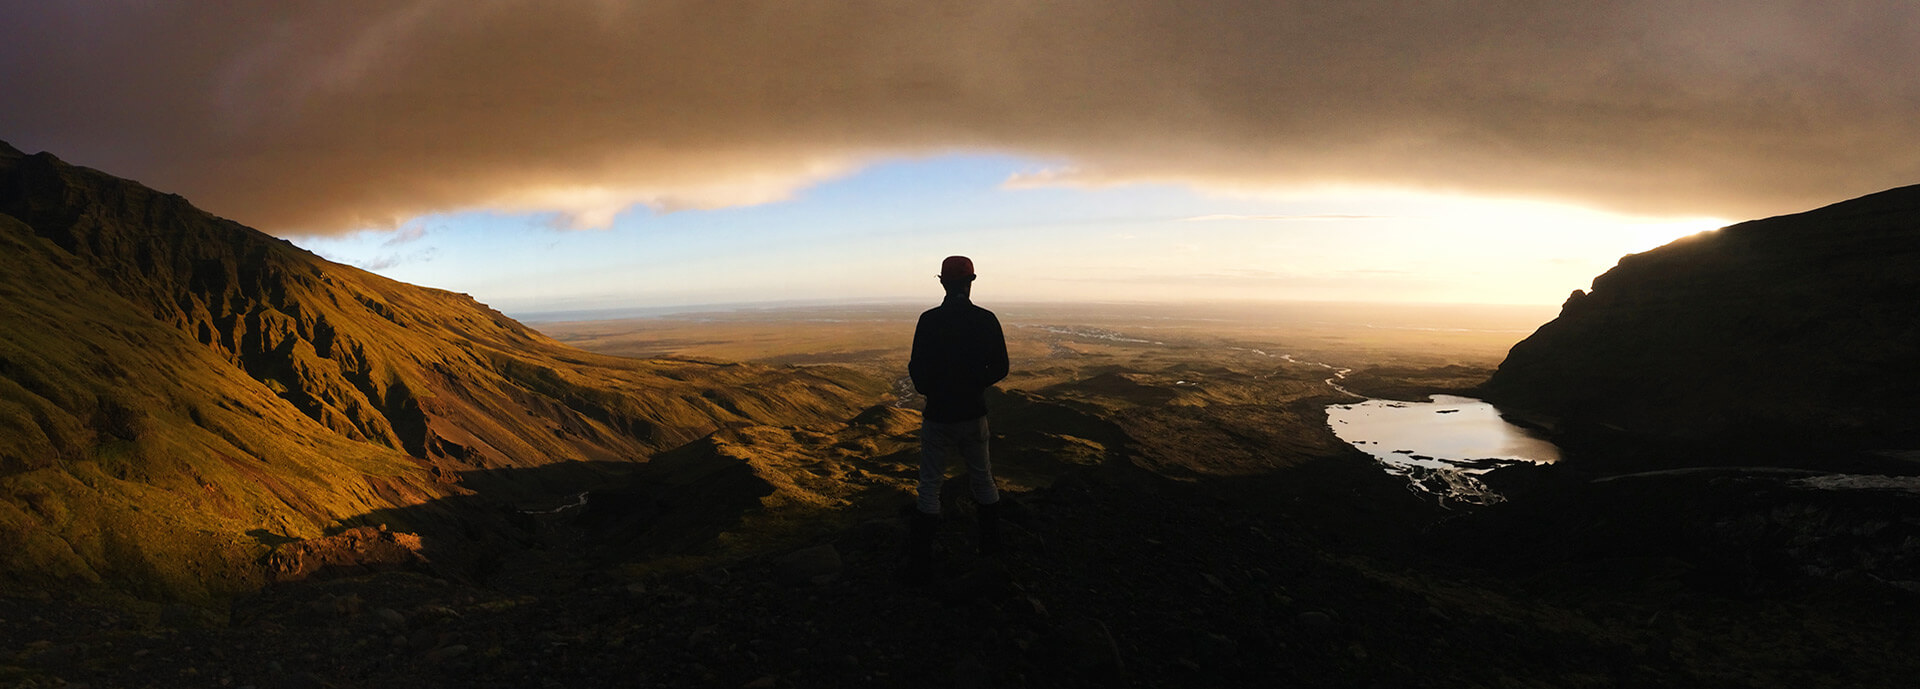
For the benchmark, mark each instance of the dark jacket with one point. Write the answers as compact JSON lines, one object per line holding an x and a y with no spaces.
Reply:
{"x":958,"y":352}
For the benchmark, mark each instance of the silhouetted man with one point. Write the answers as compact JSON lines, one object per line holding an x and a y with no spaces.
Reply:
{"x":958,"y":352}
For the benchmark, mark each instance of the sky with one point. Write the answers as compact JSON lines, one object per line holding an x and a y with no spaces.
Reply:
{"x":585,"y":154}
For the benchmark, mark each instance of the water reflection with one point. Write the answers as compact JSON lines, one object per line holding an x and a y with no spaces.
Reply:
{"x":1440,"y":444}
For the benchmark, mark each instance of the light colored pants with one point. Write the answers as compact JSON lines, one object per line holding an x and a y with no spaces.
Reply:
{"x":938,"y":440}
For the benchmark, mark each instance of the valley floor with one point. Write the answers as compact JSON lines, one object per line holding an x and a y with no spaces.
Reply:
{"x":1181,"y":517}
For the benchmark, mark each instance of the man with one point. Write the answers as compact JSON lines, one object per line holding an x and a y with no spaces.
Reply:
{"x":958,"y":352}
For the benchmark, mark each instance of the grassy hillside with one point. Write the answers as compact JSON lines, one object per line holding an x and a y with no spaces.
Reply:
{"x":133,"y":455}
{"x":178,"y":391}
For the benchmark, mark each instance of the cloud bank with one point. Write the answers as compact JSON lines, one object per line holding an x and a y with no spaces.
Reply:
{"x":322,"y":117}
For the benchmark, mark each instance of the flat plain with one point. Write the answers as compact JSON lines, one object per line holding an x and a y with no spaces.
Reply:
{"x":1205,"y":389}
{"x":1053,"y":343}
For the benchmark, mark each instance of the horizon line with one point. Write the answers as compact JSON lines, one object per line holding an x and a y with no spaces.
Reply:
{"x":632,"y":312}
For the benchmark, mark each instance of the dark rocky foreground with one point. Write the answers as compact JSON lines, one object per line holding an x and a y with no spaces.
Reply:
{"x":1322,"y":575}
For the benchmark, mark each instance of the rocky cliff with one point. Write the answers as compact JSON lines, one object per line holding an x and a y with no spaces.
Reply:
{"x":178,"y":391}
{"x":1773,"y":336}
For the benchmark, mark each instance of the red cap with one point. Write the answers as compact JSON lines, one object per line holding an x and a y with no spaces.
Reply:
{"x":956,"y":267}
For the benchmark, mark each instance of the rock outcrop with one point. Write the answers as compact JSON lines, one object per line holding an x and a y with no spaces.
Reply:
{"x":1771,"y":336}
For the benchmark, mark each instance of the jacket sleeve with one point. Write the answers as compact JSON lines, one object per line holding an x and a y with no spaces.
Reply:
{"x":996,"y":350}
{"x":920,"y":366}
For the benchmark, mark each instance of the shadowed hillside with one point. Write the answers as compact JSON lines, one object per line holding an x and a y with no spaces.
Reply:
{"x":1788,"y":333}
{"x":171,"y":381}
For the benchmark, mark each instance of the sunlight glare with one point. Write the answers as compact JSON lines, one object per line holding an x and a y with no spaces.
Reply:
{"x":1653,"y":235}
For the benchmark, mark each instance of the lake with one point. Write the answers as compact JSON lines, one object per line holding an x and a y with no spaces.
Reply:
{"x":1441,"y":444}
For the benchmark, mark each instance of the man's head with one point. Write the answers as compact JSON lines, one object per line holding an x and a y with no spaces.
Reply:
{"x":956,"y":274}
{"x":956,"y":268}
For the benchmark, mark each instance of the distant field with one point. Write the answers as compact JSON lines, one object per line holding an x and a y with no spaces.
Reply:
{"x":1191,"y":390}
{"x":1347,"y":335}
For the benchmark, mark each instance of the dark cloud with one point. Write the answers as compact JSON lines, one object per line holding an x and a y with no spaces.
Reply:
{"x":325,"y":116}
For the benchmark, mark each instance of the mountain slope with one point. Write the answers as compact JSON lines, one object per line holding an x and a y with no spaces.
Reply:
{"x":171,"y":381}
{"x":1786,"y":333}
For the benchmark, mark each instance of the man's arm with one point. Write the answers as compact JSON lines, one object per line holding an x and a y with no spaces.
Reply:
{"x":920,"y":365}
{"x":997,"y":365}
